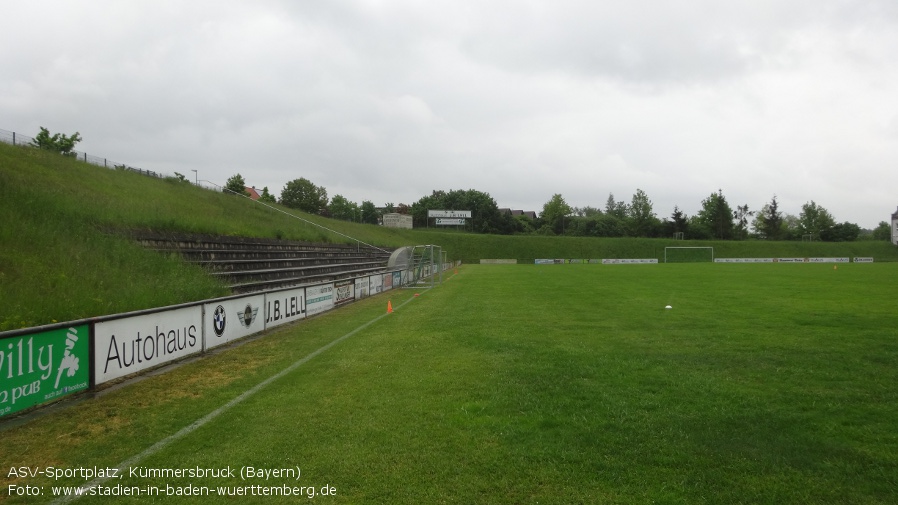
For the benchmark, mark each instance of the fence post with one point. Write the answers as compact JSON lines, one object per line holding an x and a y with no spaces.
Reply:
{"x":13,"y":138}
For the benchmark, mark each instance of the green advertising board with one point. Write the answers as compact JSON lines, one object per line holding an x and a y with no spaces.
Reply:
{"x":40,"y":367}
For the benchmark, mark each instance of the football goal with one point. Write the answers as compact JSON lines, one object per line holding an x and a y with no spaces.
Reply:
{"x":688,"y":254}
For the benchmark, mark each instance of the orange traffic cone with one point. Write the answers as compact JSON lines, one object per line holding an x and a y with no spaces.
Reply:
{"x":389,"y":307}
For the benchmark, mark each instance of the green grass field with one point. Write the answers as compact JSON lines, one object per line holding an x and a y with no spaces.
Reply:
{"x":529,"y":384}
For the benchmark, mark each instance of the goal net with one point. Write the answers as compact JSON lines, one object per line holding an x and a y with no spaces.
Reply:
{"x":688,"y":254}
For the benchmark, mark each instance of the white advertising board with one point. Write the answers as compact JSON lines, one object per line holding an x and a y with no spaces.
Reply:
{"x":388,"y":281}
{"x":376,"y":284}
{"x":863,"y":260}
{"x":361,"y":287}
{"x":627,"y":261}
{"x":743,"y":260}
{"x":229,"y":320}
{"x":319,"y":299}
{"x":344,"y":291}
{"x":452,"y":214}
{"x":128,"y":345}
{"x":283,"y":307}
{"x":450,"y":222}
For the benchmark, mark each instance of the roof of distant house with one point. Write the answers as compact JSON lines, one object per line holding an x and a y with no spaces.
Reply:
{"x":514,"y":212}
{"x":253,"y":193}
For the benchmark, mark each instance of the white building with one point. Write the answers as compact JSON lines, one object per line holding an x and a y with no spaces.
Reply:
{"x":398,"y":221}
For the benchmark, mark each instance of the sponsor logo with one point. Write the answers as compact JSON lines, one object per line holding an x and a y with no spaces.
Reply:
{"x":219,"y":321}
{"x":248,"y":315}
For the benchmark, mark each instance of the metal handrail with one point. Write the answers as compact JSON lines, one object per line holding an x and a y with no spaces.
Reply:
{"x":358,"y":242}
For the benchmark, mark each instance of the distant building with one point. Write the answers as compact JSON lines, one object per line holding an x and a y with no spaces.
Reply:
{"x":253,"y":193}
{"x":895,"y":227}
{"x":394,"y":220}
{"x":514,"y":213}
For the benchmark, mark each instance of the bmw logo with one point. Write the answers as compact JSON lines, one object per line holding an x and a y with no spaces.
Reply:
{"x":218,"y":320}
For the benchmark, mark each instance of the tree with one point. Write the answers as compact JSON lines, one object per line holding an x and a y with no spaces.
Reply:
{"x":523,"y":224}
{"x":586,"y":211}
{"x":641,"y":218}
{"x":301,"y":194}
{"x":769,"y":222}
{"x":814,"y":220}
{"x":236,"y":185}
{"x":883,"y":231}
{"x":842,"y":232}
{"x":741,"y":216}
{"x":57,"y":142}
{"x":266,"y":196}
{"x":616,"y":209}
{"x":341,"y":208}
{"x":789,"y":228}
{"x":369,"y":212}
{"x":716,"y":216}
{"x":553,"y":214}
{"x":484,"y":210}
{"x":678,"y":222}
{"x":608,"y":225}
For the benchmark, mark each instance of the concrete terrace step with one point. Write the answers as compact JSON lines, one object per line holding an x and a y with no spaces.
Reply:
{"x":237,"y":266}
{"x":254,"y":264}
{"x":231,"y":255}
{"x":286,"y":273}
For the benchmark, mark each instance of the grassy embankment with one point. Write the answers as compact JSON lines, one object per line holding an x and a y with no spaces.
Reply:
{"x":65,"y":253}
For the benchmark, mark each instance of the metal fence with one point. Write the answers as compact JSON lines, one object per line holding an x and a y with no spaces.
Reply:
{"x":26,"y":141}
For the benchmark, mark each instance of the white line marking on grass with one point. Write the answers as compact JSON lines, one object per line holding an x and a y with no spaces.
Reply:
{"x":158,"y":446}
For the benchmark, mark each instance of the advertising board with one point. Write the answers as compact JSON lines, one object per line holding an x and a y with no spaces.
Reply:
{"x":283,"y":307}
{"x":743,"y":260}
{"x":376,"y":284}
{"x":452,"y":214}
{"x":40,"y":367}
{"x":319,"y":299}
{"x":131,"y":344}
{"x":344,"y":291}
{"x":361,"y":287}
{"x":229,"y":320}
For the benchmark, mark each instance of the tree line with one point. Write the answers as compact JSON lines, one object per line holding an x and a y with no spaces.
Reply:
{"x":717,"y":219}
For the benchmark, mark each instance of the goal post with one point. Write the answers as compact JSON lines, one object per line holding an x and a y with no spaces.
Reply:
{"x":688,"y":254}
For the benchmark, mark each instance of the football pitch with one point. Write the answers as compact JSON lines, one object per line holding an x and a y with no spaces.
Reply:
{"x":507,"y":384}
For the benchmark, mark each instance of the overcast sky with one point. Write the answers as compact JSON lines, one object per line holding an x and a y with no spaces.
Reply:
{"x":388,"y":100}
